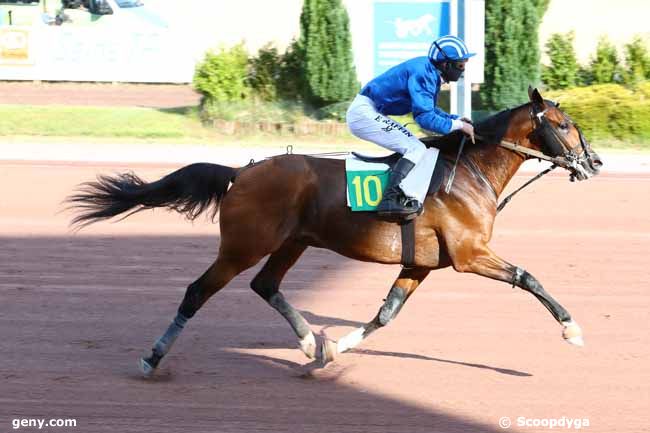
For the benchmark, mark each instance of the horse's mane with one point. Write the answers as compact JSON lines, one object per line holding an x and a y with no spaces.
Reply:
{"x":491,"y":129}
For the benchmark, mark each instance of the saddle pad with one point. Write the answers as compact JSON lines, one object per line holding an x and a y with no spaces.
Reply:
{"x":365,"y":184}
{"x":366,"y":181}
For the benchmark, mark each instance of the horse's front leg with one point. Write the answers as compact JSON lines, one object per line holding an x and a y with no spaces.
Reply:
{"x":407,"y":281}
{"x":482,"y":261}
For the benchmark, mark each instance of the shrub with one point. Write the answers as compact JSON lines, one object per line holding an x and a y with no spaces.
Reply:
{"x":336,"y":111}
{"x":264,"y":73}
{"x":222,"y":75}
{"x":563,"y":71}
{"x":637,"y":61}
{"x":291,"y":85}
{"x":605,"y":66}
{"x":608,"y":111}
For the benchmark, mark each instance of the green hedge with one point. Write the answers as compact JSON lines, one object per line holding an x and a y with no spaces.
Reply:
{"x":608,"y":111}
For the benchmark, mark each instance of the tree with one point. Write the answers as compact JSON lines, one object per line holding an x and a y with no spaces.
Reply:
{"x":564,"y":68}
{"x":264,"y":73}
{"x":512,"y":52}
{"x":637,"y":61}
{"x":326,"y":42}
{"x":605,"y":66}
{"x":291,"y":84}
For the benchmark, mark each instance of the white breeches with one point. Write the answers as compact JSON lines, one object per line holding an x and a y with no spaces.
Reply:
{"x":367,"y":123}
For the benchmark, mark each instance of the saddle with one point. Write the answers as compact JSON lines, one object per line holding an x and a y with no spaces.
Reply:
{"x":440,"y":171}
{"x":407,"y":229}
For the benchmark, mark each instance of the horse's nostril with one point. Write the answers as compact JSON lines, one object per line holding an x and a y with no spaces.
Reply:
{"x":595,"y":161}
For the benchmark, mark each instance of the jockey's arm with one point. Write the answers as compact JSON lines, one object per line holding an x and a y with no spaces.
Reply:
{"x":445,"y":114}
{"x":423,"y":94}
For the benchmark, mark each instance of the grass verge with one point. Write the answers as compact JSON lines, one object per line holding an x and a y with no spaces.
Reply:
{"x":54,"y":124}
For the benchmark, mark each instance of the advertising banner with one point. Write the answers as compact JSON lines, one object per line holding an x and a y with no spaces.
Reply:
{"x":129,"y":45}
{"x":405,"y":29}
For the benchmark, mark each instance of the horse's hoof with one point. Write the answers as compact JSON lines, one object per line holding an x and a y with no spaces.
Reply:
{"x":308,"y":346}
{"x":328,"y":351}
{"x":145,"y":368}
{"x":573,"y":334}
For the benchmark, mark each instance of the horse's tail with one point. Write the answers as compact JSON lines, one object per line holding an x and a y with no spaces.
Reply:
{"x":190,"y":190}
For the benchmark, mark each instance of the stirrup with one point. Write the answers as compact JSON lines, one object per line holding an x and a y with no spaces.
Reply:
{"x":398,"y":209}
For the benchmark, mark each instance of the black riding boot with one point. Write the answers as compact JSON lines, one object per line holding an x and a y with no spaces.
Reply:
{"x":395,"y":205}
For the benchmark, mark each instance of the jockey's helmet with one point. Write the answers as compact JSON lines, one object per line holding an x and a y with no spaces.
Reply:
{"x":449,"y":48}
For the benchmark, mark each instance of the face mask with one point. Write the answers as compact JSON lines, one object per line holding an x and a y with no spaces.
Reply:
{"x":451,"y":73}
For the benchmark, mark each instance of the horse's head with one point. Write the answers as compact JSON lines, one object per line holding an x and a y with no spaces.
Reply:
{"x":557,"y":136}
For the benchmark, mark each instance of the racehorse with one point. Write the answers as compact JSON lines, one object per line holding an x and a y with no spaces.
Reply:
{"x":280,"y":206}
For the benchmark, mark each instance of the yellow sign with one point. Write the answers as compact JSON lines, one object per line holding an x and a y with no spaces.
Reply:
{"x":14,"y":46}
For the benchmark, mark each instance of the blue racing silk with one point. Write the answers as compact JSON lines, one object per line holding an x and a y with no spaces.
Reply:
{"x":411,"y":87}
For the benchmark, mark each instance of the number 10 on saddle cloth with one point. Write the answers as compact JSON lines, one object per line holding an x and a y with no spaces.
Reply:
{"x":366,"y":181}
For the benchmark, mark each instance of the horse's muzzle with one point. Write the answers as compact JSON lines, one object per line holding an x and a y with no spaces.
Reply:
{"x":587,"y":167}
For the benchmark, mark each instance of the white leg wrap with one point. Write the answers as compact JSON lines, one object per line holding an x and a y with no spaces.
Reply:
{"x":572,"y":333}
{"x":351,"y":340}
{"x":164,"y":343}
{"x":308,"y":346}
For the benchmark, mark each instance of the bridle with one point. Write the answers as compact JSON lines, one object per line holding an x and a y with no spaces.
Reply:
{"x":555,"y":148}
{"x":555,"y":143}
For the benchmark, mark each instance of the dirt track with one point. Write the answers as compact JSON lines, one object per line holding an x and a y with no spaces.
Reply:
{"x":76,"y":312}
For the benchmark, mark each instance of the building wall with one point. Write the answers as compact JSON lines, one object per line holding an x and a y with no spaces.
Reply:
{"x":214,"y":23}
{"x":211,"y":23}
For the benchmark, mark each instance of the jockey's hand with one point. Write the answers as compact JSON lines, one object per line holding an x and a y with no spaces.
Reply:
{"x":468,"y":129}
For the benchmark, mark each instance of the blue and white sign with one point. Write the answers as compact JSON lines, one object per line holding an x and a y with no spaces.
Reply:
{"x":405,"y":29}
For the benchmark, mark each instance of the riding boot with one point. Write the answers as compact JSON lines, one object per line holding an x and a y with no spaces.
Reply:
{"x":395,"y":205}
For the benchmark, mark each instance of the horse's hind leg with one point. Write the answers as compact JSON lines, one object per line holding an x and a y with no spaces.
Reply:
{"x":224,"y":269}
{"x":267,"y":284}
{"x":407,"y":281}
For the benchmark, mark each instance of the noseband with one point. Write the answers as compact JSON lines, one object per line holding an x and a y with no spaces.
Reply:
{"x":555,"y":145}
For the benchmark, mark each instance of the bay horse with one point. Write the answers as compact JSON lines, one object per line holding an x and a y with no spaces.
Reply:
{"x":280,"y":206}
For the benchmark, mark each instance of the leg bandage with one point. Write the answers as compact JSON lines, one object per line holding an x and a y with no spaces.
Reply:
{"x":392,"y":305}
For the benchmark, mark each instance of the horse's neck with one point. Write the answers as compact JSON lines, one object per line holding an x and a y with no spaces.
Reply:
{"x":498,"y":165}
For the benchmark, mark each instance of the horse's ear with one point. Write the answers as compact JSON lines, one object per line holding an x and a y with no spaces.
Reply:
{"x":535,"y":96}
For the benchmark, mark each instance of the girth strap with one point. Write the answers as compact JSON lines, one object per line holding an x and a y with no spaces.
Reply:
{"x":408,"y":243}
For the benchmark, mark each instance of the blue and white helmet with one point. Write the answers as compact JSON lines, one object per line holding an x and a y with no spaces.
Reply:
{"x":449,"y":48}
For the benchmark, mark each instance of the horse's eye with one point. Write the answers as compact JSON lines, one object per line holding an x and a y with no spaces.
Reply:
{"x":564,"y":126}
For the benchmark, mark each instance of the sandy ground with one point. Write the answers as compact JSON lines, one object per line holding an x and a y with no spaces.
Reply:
{"x":77,"y":310}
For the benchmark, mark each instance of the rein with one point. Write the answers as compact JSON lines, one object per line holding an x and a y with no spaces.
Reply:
{"x":520,"y":149}
{"x":506,"y":200}
{"x":530,"y":152}
{"x":515,"y":147}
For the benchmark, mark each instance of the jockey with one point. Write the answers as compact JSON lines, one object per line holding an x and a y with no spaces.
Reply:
{"x":410,"y":87}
